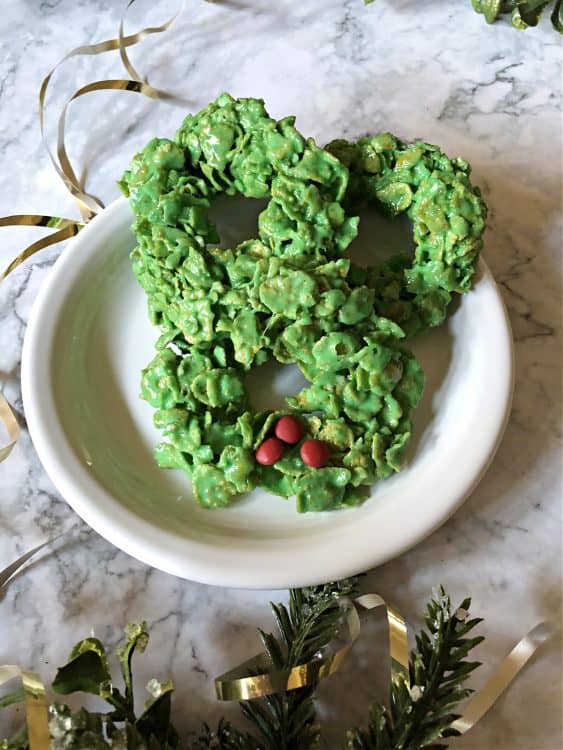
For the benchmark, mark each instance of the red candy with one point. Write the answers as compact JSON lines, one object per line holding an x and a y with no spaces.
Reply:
{"x":289,"y":429}
{"x":315,"y":453}
{"x":270,"y":451}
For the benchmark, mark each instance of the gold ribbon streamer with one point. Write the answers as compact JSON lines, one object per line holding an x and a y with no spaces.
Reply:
{"x":8,"y":419}
{"x":237,"y":684}
{"x":88,"y":204}
{"x":10,"y":571}
{"x":36,"y":710}
{"x":485,"y":698}
{"x":398,"y":632}
{"x":127,"y":64}
{"x":65,"y":228}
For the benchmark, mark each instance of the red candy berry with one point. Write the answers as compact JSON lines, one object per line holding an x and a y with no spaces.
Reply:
{"x":270,"y":451}
{"x":289,"y":429}
{"x":315,"y":453}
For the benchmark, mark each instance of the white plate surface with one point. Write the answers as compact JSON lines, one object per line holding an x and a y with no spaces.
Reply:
{"x":88,"y":339}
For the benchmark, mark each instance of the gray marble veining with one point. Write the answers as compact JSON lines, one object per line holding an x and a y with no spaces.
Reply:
{"x":430,"y":69}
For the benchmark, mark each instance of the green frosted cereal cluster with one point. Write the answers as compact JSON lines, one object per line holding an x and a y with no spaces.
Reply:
{"x":448,"y":220}
{"x":290,"y":295}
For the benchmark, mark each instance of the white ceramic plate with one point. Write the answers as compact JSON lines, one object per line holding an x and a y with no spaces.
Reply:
{"x":88,"y":339}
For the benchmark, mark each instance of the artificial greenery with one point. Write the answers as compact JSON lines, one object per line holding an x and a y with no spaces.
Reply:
{"x":523,"y":13}
{"x":420,"y":714}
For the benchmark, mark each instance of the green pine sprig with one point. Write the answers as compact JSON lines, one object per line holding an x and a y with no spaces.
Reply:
{"x":422,"y":709}
{"x":287,"y":721}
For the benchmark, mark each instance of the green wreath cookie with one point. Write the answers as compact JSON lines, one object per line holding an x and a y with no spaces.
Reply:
{"x":288,"y":295}
{"x":448,"y":220}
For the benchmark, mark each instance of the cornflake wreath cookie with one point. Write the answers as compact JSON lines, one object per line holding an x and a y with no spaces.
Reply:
{"x":286,"y":295}
{"x":448,"y":221}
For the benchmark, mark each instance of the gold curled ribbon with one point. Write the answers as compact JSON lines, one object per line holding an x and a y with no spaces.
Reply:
{"x":8,"y":419}
{"x":88,"y":204}
{"x":65,"y":228}
{"x":238,"y":684}
{"x":36,"y":711}
{"x":10,"y":571}
{"x":505,"y":673}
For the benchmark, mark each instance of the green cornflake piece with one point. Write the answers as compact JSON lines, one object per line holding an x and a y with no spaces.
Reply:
{"x":360,"y":406}
{"x":169,"y":457}
{"x":296,"y":343}
{"x":409,"y":389}
{"x":360,"y":464}
{"x":291,"y":464}
{"x":218,"y":387}
{"x":159,"y":382}
{"x":273,"y":481}
{"x":355,"y":496}
{"x":194,"y":318}
{"x":219,"y":435}
{"x":336,"y":433}
{"x":220,"y":356}
{"x":396,"y":197}
{"x":203,"y":454}
{"x":392,"y":412}
{"x":394,"y":454}
{"x":244,"y":427}
{"x":330,"y":302}
{"x":211,"y":488}
{"x":176,"y":425}
{"x":237,"y":464}
{"x":317,"y":398}
{"x":357,"y":307}
{"x":289,"y":295}
{"x":321,"y":489}
{"x":190,"y":367}
{"x":246,"y":337}
{"x":335,"y":351}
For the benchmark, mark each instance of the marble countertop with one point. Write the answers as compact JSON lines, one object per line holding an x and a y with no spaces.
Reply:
{"x":429,"y":69}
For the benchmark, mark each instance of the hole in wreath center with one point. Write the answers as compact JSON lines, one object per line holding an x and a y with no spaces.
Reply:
{"x":269,"y":384}
{"x":380,"y":237}
{"x":236,"y":218}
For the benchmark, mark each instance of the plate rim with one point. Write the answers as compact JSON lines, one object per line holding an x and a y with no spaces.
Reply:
{"x":75,"y":484}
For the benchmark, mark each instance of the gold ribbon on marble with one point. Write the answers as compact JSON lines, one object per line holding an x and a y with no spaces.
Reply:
{"x":8,"y":419}
{"x":246,"y":683}
{"x":36,"y":709}
{"x":36,"y":706}
{"x":65,"y":228}
{"x":10,"y":571}
{"x":504,"y":674}
{"x":88,"y":204}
